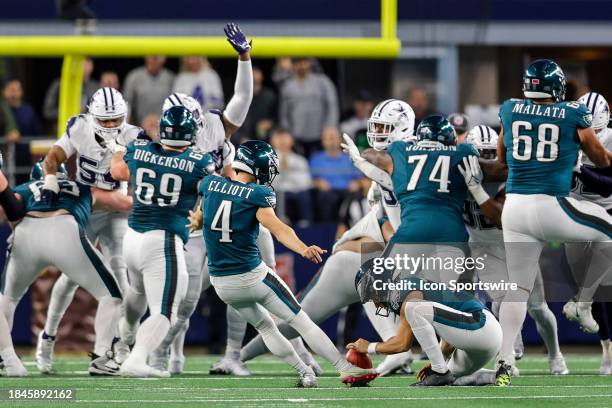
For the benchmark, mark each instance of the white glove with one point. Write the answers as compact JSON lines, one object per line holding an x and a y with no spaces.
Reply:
{"x":51,"y":183}
{"x":473,"y":176}
{"x":115,"y":146}
{"x":349,"y":147}
{"x":371,"y":171}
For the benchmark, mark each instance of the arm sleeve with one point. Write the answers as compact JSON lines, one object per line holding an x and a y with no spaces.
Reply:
{"x":238,"y":107}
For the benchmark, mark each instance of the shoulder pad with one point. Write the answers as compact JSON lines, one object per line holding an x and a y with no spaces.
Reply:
{"x":75,"y":123}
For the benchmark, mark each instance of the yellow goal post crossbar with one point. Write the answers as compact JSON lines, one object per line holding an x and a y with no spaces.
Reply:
{"x":75,"y":48}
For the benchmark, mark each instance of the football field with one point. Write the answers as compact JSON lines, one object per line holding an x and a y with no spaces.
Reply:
{"x":273,"y":384}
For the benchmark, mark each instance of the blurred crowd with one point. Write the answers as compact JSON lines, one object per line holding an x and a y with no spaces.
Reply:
{"x":299,"y":114}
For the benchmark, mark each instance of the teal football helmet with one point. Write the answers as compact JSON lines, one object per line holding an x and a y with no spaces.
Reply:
{"x":544,"y":78}
{"x":37,"y":172}
{"x":177,"y":127}
{"x":436,"y":128}
{"x":259,"y":159}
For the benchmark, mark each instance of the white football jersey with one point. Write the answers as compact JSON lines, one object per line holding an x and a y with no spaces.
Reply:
{"x":390,"y":206}
{"x":578,"y":190}
{"x":480,"y":228}
{"x":211,"y":139}
{"x":93,"y":160}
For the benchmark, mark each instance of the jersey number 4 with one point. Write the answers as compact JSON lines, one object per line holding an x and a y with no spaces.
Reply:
{"x":222,"y":220}
{"x":547,"y":149}
{"x":439,"y":173}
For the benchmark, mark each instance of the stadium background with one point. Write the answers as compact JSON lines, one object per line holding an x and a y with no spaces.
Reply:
{"x":467,"y":55}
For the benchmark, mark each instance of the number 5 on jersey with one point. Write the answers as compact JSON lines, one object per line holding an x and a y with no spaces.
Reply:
{"x":221,"y":221}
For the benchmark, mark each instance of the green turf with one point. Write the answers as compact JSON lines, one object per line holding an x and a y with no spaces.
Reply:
{"x":273,"y":384}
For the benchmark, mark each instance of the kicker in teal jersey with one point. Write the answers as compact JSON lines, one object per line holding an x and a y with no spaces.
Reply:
{"x":230,"y":223}
{"x":431,"y":191}
{"x":73,"y":197}
{"x":164,"y":186}
{"x":542,"y":144}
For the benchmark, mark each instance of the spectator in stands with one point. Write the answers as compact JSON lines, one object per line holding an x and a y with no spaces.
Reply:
{"x":51,"y":105}
{"x":262,"y":113}
{"x":354,"y":207}
{"x":109,"y":79}
{"x":356,"y":126}
{"x":293,"y":184}
{"x":198,"y":79}
{"x":308,"y":104}
{"x":20,"y":120}
{"x":461,"y":123}
{"x":419,"y":102}
{"x":146,"y":87}
{"x":333,"y":175}
{"x":282,"y":71}
{"x":150,"y":125}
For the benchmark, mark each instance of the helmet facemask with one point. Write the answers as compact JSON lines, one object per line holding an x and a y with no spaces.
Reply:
{"x":379,"y":133}
{"x":106,"y":129}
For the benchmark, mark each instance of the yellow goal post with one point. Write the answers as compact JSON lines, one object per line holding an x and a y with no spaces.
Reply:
{"x":74,"y":49}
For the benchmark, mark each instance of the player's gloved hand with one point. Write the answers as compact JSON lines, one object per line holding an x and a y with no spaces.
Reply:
{"x":349,"y":147}
{"x":236,"y":38}
{"x":114,"y":146}
{"x":313,"y":254}
{"x":472,"y":173}
{"x":50,"y":189}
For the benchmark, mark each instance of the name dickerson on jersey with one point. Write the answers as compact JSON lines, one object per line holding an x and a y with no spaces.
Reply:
{"x":166,"y":161}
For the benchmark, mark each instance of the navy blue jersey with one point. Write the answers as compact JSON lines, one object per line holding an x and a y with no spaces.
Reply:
{"x":74,"y":197}
{"x":164,"y":186}
{"x":542,"y":144}
{"x":230,"y":223}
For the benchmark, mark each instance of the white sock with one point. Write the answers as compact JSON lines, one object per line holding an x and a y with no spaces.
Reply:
{"x":546,"y":324}
{"x":7,"y":352}
{"x":511,"y":317}
{"x":298,"y":346}
{"x":606,"y":350}
{"x":61,"y":297}
{"x":279,"y":345}
{"x":7,"y":308}
{"x":253,"y":348}
{"x":317,"y":340}
{"x":176,"y":348}
{"x":236,"y":328}
{"x":134,"y":306}
{"x":105,"y":324}
{"x":149,"y":336}
{"x":420,"y":317}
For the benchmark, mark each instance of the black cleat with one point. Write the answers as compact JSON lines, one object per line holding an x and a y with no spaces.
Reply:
{"x":502,"y":376}
{"x":435,"y":379}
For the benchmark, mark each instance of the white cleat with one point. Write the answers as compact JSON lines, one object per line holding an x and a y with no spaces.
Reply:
{"x":310,"y":361}
{"x":606,"y":366}
{"x":557,"y":365}
{"x":122,"y":351}
{"x":44,"y":354}
{"x":159,"y":359}
{"x":15,"y":368}
{"x":103,"y":365}
{"x":570,"y":310}
{"x":135,"y":370}
{"x":395,"y":363}
{"x":585,"y":318}
{"x":308,"y":379}
{"x":229,"y":366}
{"x":176,"y":365}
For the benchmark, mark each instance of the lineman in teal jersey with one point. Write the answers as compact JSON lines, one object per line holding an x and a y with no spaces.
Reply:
{"x":54,"y":234}
{"x":470,"y":334}
{"x":164,"y":178}
{"x":539,"y":141}
{"x":231,"y":213}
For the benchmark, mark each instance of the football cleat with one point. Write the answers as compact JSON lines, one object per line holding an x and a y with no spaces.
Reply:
{"x":557,"y":365}
{"x":103,"y":365}
{"x":357,"y":377}
{"x":131,"y":368}
{"x":570,"y":310}
{"x":159,"y":359}
{"x":177,"y":364}
{"x":122,"y":351}
{"x":14,"y":367}
{"x":44,"y":352}
{"x":310,"y":361}
{"x":308,"y":379}
{"x":606,"y":366}
{"x":435,"y":379}
{"x":229,"y":366}
{"x":395,"y":363}
{"x":580,"y":312}
{"x":503,"y":374}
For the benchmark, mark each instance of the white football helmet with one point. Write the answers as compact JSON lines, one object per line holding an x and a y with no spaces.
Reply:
{"x":391,"y":120}
{"x":181,"y":99}
{"x":598,"y":106}
{"x":484,"y":139}
{"x":107,"y":104}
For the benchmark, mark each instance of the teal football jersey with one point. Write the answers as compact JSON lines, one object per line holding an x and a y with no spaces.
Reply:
{"x":431,"y":192}
{"x":461,"y":301}
{"x":542,"y":145}
{"x":164,"y":186}
{"x":73,"y":197}
{"x":230,"y":223}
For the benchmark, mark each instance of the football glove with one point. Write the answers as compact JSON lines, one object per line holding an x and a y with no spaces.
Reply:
{"x":472,"y":173}
{"x":50,"y":189}
{"x":236,"y":38}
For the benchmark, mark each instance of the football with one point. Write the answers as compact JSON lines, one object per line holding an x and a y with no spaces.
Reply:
{"x":361,"y":360}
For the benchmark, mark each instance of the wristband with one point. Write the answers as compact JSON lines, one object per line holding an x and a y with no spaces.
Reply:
{"x":51,"y":183}
{"x":479,"y":194}
{"x":372,"y":348}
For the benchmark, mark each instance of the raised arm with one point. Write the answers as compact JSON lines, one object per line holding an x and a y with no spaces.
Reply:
{"x":376,"y":165}
{"x":287,"y":236}
{"x":238,"y":107}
